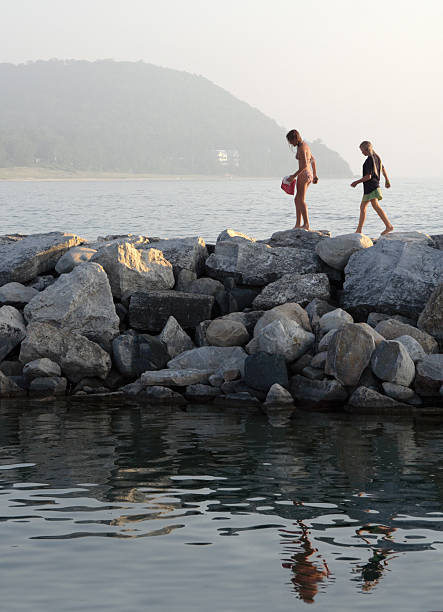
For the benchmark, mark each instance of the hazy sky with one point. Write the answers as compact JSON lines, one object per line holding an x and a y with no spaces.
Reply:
{"x":340,"y":70}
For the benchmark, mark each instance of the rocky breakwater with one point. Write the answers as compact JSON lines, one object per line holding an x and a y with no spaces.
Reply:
{"x":299,"y":319}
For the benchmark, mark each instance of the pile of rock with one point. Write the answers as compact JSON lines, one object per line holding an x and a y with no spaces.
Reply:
{"x":302,"y":317}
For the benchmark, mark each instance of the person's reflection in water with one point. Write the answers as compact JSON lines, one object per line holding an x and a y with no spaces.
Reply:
{"x":372,"y":571}
{"x":307,"y":565}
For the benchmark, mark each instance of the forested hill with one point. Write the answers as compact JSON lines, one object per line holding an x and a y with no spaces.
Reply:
{"x":108,"y":116}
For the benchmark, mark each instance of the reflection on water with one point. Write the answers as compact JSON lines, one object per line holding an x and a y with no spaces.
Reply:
{"x":339,"y":512}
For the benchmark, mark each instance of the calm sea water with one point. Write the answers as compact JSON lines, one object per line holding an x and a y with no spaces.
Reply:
{"x":134,"y":508}
{"x":169,"y":208}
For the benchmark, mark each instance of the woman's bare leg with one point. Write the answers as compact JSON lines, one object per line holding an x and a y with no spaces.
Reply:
{"x":298,"y":214}
{"x":381,"y":213}
{"x":302,"y":187}
{"x":361,"y":221}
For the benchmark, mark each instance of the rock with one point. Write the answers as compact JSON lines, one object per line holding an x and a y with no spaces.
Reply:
{"x":318,"y":393}
{"x":74,"y":257}
{"x":336,"y":251}
{"x":367,"y":379}
{"x":392,"y":329}
{"x":375,"y":335}
{"x":151,"y":310}
{"x":183,"y":279}
{"x":284,"y":337}
{"x":131,"y":270}
{"x":16,"y":294}
{"x":200,"y":333}
{"x":230,"y":234}
{"x":12,"y":329}
{"x":133,"y":355}
{"x":201,"y":393}
{"x":24,"y":259}
{"x":323,"y":345}
{"x":41,"y":368}
{"x":205,"y":286}
{"x":334,"y":319}
{"x":298,"y":238}
{"x":122,"y":312}
{"x":48,"y":386}
{"x":223,"y":332}
{"x":111,"y":239}
{"x":391,"y":362}
{"x":210,"y":358}
{"x":319,"y":360}
{"x":242,"y":399}
{"x":8,"y":388}
{"x":40,"y":283}
{"x":216,"y":380}
{"x":239,"y":298}
{"x":162,"y":395}
{"x":278,"y":396}
{"x":349,"y":353}
{"x":290,"y":311}
{"x":401,"y":393}
{"x":413,"y":347}
{"x":414,"y":237}
{"x":78,"y":357}
{"x":364,"y":398}
{"x":252,"y":263}
{"x":297,"y":367}
{"x":391,"y":277}
{"x":299,"y":288}
{"x":248,"y":319}
{"x":316,"y":309}
{"x":175,"y":339}
{"x":262,"y":371}
{"x":313,"y":373}
{"x":11,"y":368}
{"x":431,"y":318}
{"x":78,"y":301}
{"x":133,"y":389}
{"x":429,"y":376}
{"x":374,"y":318}
{"x":437,"y":239}
{"x":184,"y":253}
{"x":175,"y":378}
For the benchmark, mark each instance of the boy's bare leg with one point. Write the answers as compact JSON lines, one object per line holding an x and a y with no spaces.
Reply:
{"x":381,"y":213}
{"x":302,"y":187}
{"x":298,"y":214}
{"x":361,"y":221}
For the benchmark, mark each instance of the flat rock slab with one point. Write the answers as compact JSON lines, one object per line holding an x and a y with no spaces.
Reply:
{"x":252,"y":263}
{"x":210,"y":358}
{"x":392,"y":277}
{"x":298,"y":288}
{"x":151,"y":310}
{"x":318,"y":393}
{"x":263,"y":370}
{"x":175,"y":378}
{"x":16,"y":294}
{"x":410,"y":237}
{"x":298,"y":238}
{"x":368,"y":399}
{"x":163,"y":395}
{"x":22,"y":260}
{"x":183,"y":253}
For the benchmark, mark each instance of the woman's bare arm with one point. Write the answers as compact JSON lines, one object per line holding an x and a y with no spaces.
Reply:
{"x":387,"y":181}
{"x":314,"y":169}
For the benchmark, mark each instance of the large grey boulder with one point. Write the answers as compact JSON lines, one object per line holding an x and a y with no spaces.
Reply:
{"x":8,"y":388}
{"x":413,"y":237}
{"x":336,"y":251}
{"x":12,"y":329}
{"x":79,"y":301}
{"x":401,"y":393}
{"x":298,"y":238}
{"x":252,"y":263}
{"x":77,"y":356}
{"x":414,"y":348}
{"x":205,"y":286}
{"x":431,"y":318}
{"x":175,"y":378}
{"x":334,"y":319}
{"x":283,"y":337}
{"x":349,"y":353}
{"x":263,"y":370}
{"x":183,"y":253}
{"x":130,"y":270}
{"x":429,"y":376}
{"x":133,"y":355}
{"x":16,"y":294}
{"x":299,"y":288}
{"x":74,"y":257}
{"x":391,"y":362}
{"x":225,"y":332}
{"x":392,"y":277}
{"x":150,"y":310}
{"x":24,"y":259}
{"x":392,"y":329}
{"x":209,"y":358}
{"x":364,"y":398}
{"x":293,"y":312}
{"x":41,"y":368}
{"x":175,"y":338}
{"x":230,"y":234}
{"x":318,"y":393}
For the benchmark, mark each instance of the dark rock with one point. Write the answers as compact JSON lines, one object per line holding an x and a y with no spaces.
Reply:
{"x":298,"y":238}
{"x":11,"y":368}
{"x":201,"y":393}
{"x":431,"y":318}
{"x":316,"y":309}
{"x":240,"y":298}
{"x":238,"y":400}
{"x":302,"y":362}
{"x":163,"y":395}
{"x":429,"y":376}
{"x":16,"y":294}
{"x":133,"y":355}
{"x":368,"y":399}
{"x":8,"y":388}
{"x":183,"y":279}
{"x":298,"y":288}
{"x":41,"y":368}
{"x":150,"y":311}
{"x":48,"y":386}
{"x":318,"y":393}
{"x":263,"y":370}
{"x":12,"y":330}
{"x":122,"y":312}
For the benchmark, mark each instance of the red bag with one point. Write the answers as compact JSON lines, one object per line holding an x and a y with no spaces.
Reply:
{"x":288,"y":187}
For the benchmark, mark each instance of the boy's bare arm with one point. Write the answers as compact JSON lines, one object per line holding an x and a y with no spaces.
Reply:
{"x":387,"y":181}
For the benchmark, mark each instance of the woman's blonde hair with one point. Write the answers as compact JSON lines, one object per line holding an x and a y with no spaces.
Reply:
{"x":367,"y":145}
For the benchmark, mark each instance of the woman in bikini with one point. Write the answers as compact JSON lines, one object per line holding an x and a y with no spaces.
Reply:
{"x":372,"y":168}
{"x":305,"y":175}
